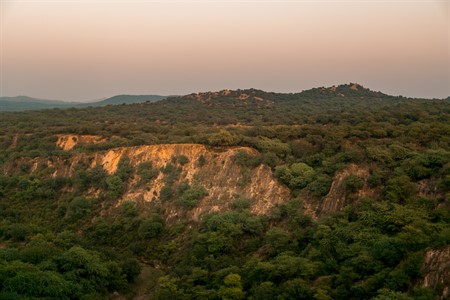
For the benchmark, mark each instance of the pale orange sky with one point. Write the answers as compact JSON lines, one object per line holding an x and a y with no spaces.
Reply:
{"x":83,"y":50}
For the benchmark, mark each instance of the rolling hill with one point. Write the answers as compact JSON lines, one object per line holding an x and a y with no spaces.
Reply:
{"x":125,"y":99}
{"x":22,"y":103}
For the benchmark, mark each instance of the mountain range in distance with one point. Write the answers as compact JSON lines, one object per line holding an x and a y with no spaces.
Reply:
{"x":21,"y":103}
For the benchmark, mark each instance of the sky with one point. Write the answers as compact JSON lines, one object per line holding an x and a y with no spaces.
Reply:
{"x":83,"y":50}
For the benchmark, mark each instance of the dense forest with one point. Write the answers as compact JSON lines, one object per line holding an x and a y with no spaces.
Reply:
{"x":366,"y":175}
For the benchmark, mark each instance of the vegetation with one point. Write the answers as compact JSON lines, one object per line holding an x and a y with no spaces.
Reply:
{"x":69,"y":237}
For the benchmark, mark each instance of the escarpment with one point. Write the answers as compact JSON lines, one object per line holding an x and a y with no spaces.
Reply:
{"x":177,"y":166}
{"x":68,"y":141}
{"x":215,"y":170}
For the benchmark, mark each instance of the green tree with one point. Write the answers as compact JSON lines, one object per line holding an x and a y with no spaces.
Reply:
{"x":116,"y":187}
{"x":223,"y":138}
{"x":400,"y":189}
{"x":296,"y":176}
{"x":353,"y":183}
{"x":232,"y":290}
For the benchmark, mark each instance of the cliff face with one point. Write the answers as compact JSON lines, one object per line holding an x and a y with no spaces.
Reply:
{"x":436,"y":268}
{"x":219,"y":174}
{"x":68,"y":141}
{"x":215,"y":170}
{"x":337,"y":198}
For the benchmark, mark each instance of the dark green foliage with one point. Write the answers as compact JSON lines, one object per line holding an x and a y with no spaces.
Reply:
{"x":83,"y":179}
{"x":78,"y":208}
{"x":240,"y":203}
{"x":223,"y":138}
{"x":400,"y":189}
{"x":131,"y":268}
{"x":296,"y":176}
{"x":191,"y":196}
{"x":150,"y":227}
{"x":171,"y":173}
{"x":115,"y":186}
{"x":320,"y":185}
{"x":201,"y":161}
{"x":123,"y":169}
{"x":182,"y":160}
{"x":165,"y":193}
{"x":146,"y":172}
{"x":353,"y":183}
{"x":245,"y":159}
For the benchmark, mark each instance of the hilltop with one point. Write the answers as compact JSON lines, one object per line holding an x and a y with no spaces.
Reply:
{"x":233,"y":98}
{"x":262,"y":98}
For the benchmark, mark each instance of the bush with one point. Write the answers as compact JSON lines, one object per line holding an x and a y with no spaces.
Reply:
{"x":78,"y":208}
{"x":296,"y":176}
{"x":201,"y":161}
{"x":353,"y":183}
{"x":116,"y":187}
{"x":183,"y":159}
{"x":150,"y":228}
{"x":400,"y":189}
{"x":166,"y":193}
{"x":321,"y":185}
{"x":192,"y":196}
{"x":146,"y":172}
{"x":131,"y":268}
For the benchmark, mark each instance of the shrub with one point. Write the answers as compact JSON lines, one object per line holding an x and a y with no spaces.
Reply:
{"x":192,"y":196}
{"x":146,"y":172}
{"x":353,"y":183}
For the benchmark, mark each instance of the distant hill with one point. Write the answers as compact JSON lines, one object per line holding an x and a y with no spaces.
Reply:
{"x":21,"y":103}
{"x":351,"y":90}
{"x":125,"y":99}
{"x":260,"y":99}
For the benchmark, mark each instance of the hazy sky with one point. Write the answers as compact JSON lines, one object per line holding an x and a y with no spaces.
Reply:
{"x":83,"y":50}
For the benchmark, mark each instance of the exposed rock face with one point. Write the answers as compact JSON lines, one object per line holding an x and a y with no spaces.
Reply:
{"x":68,"y":141}
{"x":436,"y":268}
{"x":336,"y":199}
{"x":354,"y":86}
{"x":219,"y":174}
{"x":14,"y":141}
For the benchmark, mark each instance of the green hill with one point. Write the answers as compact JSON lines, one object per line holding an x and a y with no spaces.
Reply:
{"x":22,"y":103}
{"x":125,"y":99}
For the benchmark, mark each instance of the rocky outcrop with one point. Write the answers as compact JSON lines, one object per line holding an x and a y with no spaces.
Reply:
{"x":220,"y":175}
{"x":337,"y":197}
{"x":436,"y":270}
{"x":223,"y":178}
{"x":68,"y":141}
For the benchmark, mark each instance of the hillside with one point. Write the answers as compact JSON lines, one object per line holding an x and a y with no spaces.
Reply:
{"x":330,"y":193}
{"x":125,"y":99}
{"x":22,"y":103}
